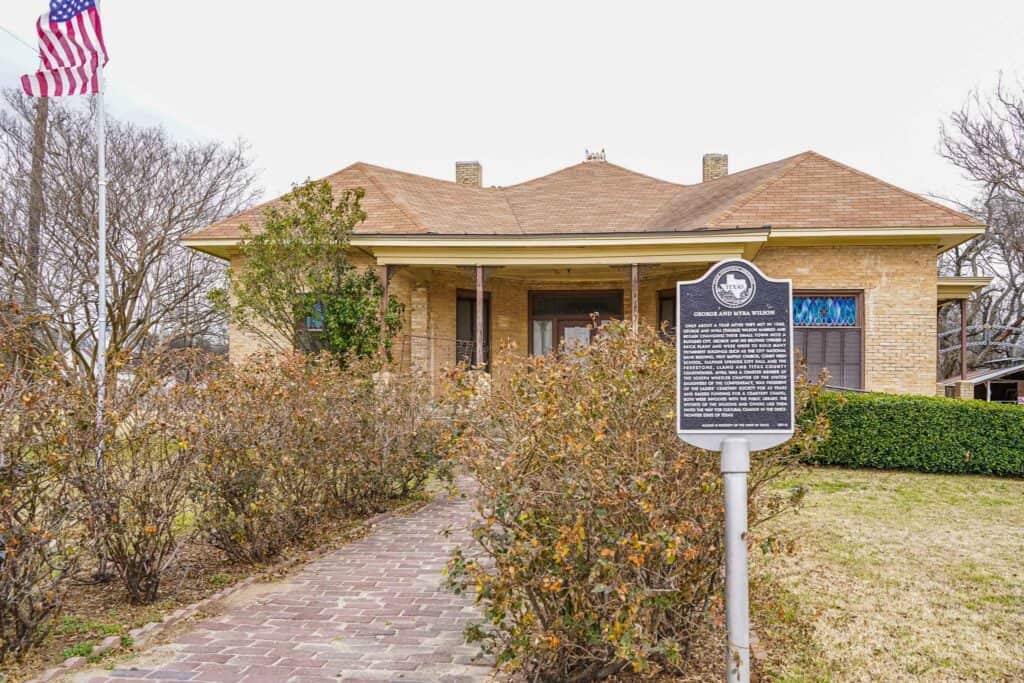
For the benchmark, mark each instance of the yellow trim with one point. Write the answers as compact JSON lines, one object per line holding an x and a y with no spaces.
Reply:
{"x":621,"y":248}
{"x":954,"y":288}
{"x":560,"y":241}
{"x":221,"y":248}
{"x":944,"y":238}
{"x":609,"y":255}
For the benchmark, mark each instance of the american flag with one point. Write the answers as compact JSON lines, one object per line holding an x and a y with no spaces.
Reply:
{"x":71,"y":49}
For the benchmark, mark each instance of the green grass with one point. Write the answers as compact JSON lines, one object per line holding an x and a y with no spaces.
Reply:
{"x":220,"y":579}
{"x":83,"y":649}
{"x":75,"y":625}
{"x":900,"y":576}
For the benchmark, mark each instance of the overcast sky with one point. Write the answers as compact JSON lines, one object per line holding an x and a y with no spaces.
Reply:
{"x":524,"y":87}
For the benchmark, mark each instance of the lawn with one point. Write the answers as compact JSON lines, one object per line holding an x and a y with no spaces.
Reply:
{"x":898,"y":576}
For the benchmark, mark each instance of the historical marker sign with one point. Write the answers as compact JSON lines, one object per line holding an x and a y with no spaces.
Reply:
{"x":735,"y":357}
{"x":734,"y":346}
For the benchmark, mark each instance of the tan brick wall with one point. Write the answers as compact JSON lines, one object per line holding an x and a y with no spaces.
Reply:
{"x":898,"y":284}
{"x":964,"y":390}
{"x":243,"y":343}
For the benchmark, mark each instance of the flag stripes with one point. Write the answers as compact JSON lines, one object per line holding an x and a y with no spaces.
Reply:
{"x":71,"y":52}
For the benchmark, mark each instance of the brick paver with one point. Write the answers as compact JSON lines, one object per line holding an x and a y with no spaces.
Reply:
{"x":373,"y":610}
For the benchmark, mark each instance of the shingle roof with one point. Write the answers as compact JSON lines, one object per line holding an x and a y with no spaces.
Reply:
{"x":979,"y":375}
{"x":804,"y":191}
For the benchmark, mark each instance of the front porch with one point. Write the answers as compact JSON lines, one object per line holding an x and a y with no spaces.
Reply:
{"x":467,"y":298}
{"x":467,"y":313}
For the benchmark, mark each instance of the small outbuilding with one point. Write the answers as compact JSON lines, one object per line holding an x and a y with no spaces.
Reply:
{"x":996,"y":385}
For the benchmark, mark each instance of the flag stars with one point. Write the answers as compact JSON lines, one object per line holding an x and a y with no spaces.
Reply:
{"x":63,"y":10}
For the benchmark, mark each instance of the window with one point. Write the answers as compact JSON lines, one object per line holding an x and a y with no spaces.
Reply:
{"x":667,"y":314}
{"x":315,"y":319}
{"x":561,"y":317}
{"x":828,"y":333}
{"x":465,"y":328}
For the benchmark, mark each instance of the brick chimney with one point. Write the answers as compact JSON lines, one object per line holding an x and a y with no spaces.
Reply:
{"x":715,"y":166}
{"x":469,"y":173}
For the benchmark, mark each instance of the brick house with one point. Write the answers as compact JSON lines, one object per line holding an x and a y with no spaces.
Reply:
{"x":477,"y":267}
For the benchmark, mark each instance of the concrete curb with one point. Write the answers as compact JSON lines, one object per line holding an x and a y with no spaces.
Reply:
{"x":138,"y":637}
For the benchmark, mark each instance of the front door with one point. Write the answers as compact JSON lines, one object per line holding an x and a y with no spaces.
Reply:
{"x":567,"y":318}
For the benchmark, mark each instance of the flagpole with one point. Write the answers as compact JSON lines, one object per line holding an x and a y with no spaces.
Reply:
{"x":101,"y":269}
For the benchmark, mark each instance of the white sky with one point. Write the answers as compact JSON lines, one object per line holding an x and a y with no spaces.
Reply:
{"x":525,"y":86}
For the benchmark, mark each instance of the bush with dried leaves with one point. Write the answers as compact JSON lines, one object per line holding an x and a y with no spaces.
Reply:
{"x":600,"y":532}
{"x":38,"y":511}
{"x":288,"y":442}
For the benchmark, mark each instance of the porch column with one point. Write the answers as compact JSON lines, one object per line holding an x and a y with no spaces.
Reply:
{"x":480,"y":316}
{"x":963,"y":339}
{"x":634,"y":298}
{"x":384,"y":272}
{"x":419,"y":327}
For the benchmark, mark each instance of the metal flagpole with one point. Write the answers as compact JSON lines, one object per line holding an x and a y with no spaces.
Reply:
{"x":101,"y":270}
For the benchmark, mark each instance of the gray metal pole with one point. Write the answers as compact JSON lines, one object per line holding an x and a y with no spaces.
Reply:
{"x":101,"y":271}
{"x":735,"y":465}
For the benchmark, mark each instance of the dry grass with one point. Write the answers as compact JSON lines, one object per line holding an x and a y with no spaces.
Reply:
{"x":901,"y":577}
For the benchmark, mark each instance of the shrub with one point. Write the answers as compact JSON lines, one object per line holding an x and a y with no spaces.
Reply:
{"x":923,"y":433}
{"x":286,"y":443}
{"x":37,"y":514}
{"x":260,"y":437}
{"x":600,"y":531}
{"x":390,"y":430}
{"x":148,"y":469}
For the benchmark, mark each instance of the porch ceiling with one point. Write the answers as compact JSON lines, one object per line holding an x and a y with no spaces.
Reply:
{"x":587,"y":273}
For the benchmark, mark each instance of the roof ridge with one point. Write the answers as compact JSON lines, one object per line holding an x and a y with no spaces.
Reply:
{"x":420,"y":176}
{"x":684,"y":188}
{"x":591,"y":163}
{"x":365,"y":168}
{"x":657,"y":210}
{"x":512,"y":210}
{"x":789,"y":164}
{"x":914,"y":195}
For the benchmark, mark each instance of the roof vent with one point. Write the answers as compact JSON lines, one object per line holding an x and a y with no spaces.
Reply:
{"x":594,"y":157}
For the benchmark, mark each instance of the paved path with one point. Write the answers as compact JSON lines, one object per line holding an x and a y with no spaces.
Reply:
{"x":373,"y":610}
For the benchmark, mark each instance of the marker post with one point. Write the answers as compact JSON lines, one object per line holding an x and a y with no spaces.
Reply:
{"x":735,"y":465}
{"x":734,"y":350}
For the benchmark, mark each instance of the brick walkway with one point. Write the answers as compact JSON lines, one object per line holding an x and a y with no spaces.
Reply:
{"x":373,"y":610}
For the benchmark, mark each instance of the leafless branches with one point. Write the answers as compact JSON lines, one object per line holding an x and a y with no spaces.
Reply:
{"x":159,"y":190}
{"x":985,"y":139}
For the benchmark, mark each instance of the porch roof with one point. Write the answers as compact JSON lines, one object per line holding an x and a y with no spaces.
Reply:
{"x":982,"y":375}
{"x":953,"y":288}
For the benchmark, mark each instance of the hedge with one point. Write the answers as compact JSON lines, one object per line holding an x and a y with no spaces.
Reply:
{"x":926,"y":434}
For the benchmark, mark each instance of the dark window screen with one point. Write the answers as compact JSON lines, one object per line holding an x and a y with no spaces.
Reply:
{"x":826,"y":334}
{"x":667,"y":314}
{"x":605,"y":304}
{"x":839,"y":350}
{"x":465,"y":329}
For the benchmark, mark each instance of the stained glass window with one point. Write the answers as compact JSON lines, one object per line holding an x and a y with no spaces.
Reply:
{"x":825,"y":311}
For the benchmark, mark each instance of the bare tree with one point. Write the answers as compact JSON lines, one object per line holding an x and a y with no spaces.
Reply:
{"x":159,"y":190}
{"x":985,"y":139}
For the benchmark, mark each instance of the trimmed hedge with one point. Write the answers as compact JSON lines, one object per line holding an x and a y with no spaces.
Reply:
{"x":926,"y":434}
